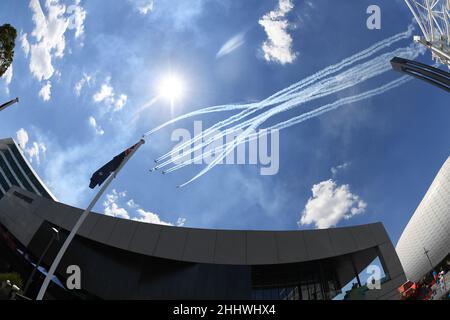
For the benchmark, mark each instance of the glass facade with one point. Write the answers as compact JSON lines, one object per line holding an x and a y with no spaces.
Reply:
{"x":14,"y":171}
{"x":315,"y":280}
{"x":12,"y":148}
{"x":4,"y":183}
{"x":17,"y":171}
{"x":8,"y":172}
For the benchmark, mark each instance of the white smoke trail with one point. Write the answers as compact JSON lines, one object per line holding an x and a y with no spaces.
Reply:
{"x":273,"y":99}
{"x":326,"y":87}
{"x":321,"y":84}
{"x":285,"y":94}
{"x":301,"y":118}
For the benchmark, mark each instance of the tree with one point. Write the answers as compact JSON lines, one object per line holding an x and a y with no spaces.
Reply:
{"x":8,"y":36}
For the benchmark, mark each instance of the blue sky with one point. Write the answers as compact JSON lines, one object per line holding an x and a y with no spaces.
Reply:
{"x":90,"y":65}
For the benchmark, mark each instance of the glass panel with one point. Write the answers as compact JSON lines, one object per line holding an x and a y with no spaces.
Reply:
{"x":8,"y":172}
{"x":4,"y":183}
{"x":17,"y":171}
{"x":28,"y":172}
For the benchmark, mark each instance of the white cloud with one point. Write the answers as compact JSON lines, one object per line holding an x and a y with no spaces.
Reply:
{"x":46,"y":91}
{"x":149,"y":217}
{"x":143,"y":6}
{"x":330,"y":204}
{"x":231,"y":45}
{"x":112,"y":208}
{"x":35,"y":152}
{"x":85,"y":80}
{"x":77,"y":18}
{"x":7,"y":78}
{"x":25,"y":44}
{"x":97,"y":128}
{"x":335,"y":170}
{"x":107,"y":96}
{"x":22,"y":138}
{"x":278,"y":47}
{"x":36,"y":149}
{"x":49,"y":34}
{"x":114,"y":211}
{"x":119,"y":104}
{"x":181,"y":222}
{"x":131,"y":204}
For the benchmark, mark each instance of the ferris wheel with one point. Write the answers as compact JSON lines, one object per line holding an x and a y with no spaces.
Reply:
{"x":433,"y":17}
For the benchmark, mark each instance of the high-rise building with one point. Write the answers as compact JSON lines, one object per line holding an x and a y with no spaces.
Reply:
{"x":16,"y":171}
{"x":425,"y":242}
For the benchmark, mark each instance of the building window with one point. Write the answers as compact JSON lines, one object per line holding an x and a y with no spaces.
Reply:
{"x":28,"y":172}
{"x":3,"y":183}
{"x":8,"y":172}
{"x":17,"y":171}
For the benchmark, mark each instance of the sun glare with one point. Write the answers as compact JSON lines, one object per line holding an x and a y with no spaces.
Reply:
{"x":171,"y":88}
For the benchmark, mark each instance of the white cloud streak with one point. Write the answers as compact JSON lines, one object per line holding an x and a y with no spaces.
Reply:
{"x":335,"y":170}
{"x":231,"y":45}
{"x":93,"y":123}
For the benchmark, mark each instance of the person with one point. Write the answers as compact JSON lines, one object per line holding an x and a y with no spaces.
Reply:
{"x":442,"y":280}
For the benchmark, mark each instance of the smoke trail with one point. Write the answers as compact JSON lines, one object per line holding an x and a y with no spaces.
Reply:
{"x":303,"y":117}
{"x":272,"y":99}
{"x":326,"y":87}
{"x":288,"y":93}
{"x":323,"y":83}
{"x":257,"y":121}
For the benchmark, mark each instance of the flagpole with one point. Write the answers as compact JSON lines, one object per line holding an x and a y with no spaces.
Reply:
{"x":80,"y":221}
{"x":8,"y":104}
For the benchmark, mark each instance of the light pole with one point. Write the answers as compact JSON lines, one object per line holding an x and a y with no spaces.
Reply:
{"x":425,"y":251}
{"x":44,"y":253}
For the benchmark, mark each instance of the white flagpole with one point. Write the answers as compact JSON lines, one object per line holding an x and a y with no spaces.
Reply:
{"x":80,"y":221}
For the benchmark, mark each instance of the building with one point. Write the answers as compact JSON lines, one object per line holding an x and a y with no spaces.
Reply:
{"x":123,"y":259}
{"x":428,"y":230}
{"x":16,"y":171}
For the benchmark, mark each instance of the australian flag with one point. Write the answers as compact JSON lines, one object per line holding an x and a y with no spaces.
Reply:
{"x":104,"y":172}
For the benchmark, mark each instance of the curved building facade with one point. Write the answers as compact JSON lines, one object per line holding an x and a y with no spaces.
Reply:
{"x":123,"y":259}
{"x":428,"y":231}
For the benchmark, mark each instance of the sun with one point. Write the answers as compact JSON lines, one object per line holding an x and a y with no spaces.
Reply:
{"x":171,"y":88}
